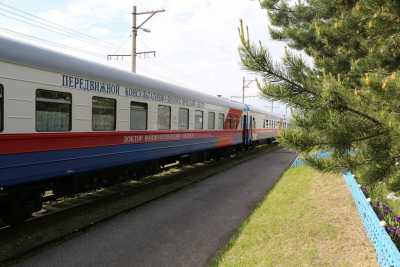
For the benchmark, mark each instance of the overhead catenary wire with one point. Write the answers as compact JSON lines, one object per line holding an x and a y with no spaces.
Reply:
{"x":45,"y":28}
{"x":50,"y":24}
{"x":123,"y":44}
{"x":165,"y":65}
{"x":49,"y":29}
{"x":52,"y":42}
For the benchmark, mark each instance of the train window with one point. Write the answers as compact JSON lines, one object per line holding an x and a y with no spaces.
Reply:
{"x":1,"y":108}
{"x":229,"y":123}
{"x":164,"y":117}
{"x":233,"y":122}
{"x":198,"y":120}
{"x":221,"y":119}
{"x":103,"y":114}
{"x":183,"y":118}
{"x":53,"y":111}
{"x":138,"y":116}
{"x":211,"y":120}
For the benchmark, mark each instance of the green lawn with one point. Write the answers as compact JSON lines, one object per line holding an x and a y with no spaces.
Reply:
{"x":307,"y":219}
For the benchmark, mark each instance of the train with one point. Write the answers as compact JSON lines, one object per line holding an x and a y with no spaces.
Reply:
{"x":68,"y":124}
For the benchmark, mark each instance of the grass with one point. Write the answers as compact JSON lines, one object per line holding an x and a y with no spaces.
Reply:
{"x":307,"y":219}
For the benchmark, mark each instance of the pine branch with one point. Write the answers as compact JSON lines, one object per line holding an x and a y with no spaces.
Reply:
{"x":279,"y":77}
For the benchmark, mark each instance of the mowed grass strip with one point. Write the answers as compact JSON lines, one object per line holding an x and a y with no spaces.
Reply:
{"x":307,"y":219}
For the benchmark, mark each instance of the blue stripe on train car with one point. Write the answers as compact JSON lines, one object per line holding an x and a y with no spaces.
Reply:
{"x":30,"y":167}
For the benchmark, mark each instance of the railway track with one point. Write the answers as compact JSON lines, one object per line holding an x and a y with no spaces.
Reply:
{"x":61,"y":218}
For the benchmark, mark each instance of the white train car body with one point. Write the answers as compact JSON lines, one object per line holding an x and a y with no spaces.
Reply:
{"x":61,"y":116}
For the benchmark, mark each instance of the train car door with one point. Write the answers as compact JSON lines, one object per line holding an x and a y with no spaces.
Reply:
{"x":245,"y":129}
{"x":254,"y":131}
{"x":250,"y":131}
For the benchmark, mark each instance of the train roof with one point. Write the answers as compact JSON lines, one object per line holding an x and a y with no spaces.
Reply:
{"x":20,"y":53}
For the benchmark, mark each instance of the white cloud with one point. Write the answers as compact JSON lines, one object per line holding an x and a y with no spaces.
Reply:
{"x":196,"y":41}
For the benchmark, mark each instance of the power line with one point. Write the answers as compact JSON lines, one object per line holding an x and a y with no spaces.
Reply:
{"x":165,"y":65}
{"x":53,"y":23}
{"x":44,"y":28}
{"x":123,"y":44}
{"x":54,"y":43}
{"x":48,"y":23}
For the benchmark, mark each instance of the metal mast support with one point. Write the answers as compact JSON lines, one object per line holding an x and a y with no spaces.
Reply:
{"x":134,"y":37}
{"x":243,"y":88}
{"x":245,"y":85}
{"x":135,"y":30}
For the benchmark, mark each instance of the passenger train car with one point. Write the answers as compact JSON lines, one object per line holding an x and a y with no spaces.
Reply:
{"x":62,"y":118}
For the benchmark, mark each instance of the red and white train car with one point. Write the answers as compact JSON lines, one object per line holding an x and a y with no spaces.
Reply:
{"x":61,"y":117}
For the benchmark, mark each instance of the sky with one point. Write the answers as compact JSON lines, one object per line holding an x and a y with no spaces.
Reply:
{"x":196,"y":40}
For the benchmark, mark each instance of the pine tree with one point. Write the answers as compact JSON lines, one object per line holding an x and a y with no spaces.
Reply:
{"x":348,"y":101}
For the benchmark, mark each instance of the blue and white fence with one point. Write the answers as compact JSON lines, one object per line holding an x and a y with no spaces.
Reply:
{"x":297,"y":163}
{"x":386,"y":251}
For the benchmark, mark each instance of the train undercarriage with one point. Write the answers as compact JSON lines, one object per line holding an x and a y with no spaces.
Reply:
{"x":18,"y":203}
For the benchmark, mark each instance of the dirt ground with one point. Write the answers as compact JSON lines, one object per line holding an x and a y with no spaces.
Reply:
{"x":334,"y":202}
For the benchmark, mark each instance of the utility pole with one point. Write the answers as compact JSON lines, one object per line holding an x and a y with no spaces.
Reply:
{"x":135,"y":30}
{"x":134,"y":37}
{"x":245,"y":85}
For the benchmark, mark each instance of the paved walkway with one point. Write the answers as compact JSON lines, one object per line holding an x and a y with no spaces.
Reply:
{"x":185,"y":228}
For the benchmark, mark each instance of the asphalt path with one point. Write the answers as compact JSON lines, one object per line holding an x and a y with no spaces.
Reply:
{"x":185,"y":228}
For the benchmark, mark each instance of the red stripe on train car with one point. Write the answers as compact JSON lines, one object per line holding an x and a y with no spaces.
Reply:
{"x":41,"y":142}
